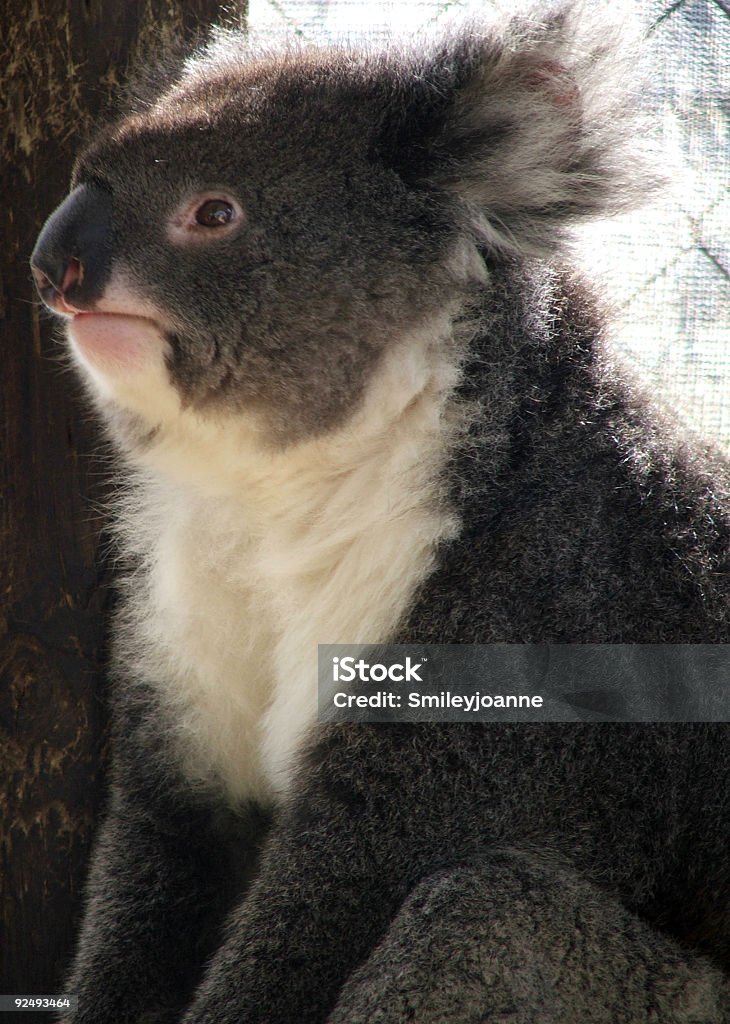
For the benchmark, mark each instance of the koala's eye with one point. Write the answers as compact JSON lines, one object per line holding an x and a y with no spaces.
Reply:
{"x":206,"y":218}
{"x":215,"y":213}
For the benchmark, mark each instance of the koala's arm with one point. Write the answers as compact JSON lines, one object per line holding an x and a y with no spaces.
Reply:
{"x":150,"y":903}
{"x":367,"y":911}
{"x":160,"y":884}
{"x":331,"y":879}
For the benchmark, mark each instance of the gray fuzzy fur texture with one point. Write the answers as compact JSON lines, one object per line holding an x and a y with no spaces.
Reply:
{"x":437,"y":874}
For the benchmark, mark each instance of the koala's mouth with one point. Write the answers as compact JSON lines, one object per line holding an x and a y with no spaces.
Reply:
{"x":111,"y":339}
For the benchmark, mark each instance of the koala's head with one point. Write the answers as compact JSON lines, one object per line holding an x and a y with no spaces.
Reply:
{"x":254,"y":238}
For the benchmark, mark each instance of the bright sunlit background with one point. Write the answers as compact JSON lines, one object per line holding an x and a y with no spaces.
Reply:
{"x":666,"y":269}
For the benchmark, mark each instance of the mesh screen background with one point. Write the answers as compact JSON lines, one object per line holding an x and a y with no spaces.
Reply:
{"x":666,"y":268}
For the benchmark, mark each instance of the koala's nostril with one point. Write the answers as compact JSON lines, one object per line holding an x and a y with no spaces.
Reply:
{"x":60,"y":279}
{"x":74,"y":274}
{"x":55,"y":286}
{"x":54,"y":290}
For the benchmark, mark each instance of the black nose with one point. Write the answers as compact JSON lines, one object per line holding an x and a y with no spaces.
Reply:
{"x":72,"y":257}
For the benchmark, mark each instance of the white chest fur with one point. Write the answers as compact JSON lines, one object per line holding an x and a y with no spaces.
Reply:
{"x":251,"y":558}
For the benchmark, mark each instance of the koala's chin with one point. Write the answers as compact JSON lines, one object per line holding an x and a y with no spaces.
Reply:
{"x":120,"y":346}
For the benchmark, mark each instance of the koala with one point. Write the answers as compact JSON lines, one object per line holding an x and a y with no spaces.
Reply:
{"x":324,"y":303}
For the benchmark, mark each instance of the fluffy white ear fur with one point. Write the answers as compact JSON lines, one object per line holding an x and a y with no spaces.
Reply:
{"x":544,"y":126}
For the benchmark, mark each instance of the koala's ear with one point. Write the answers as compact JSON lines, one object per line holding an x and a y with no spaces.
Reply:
{"x":531,"y":122}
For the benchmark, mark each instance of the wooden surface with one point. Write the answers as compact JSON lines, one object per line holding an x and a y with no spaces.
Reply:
{"x":61,"y":63}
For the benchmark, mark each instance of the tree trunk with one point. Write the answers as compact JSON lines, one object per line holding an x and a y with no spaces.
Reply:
{"x":61,"y":62}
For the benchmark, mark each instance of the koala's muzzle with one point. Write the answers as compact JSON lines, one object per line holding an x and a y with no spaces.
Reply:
{"x":72,"y":257}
